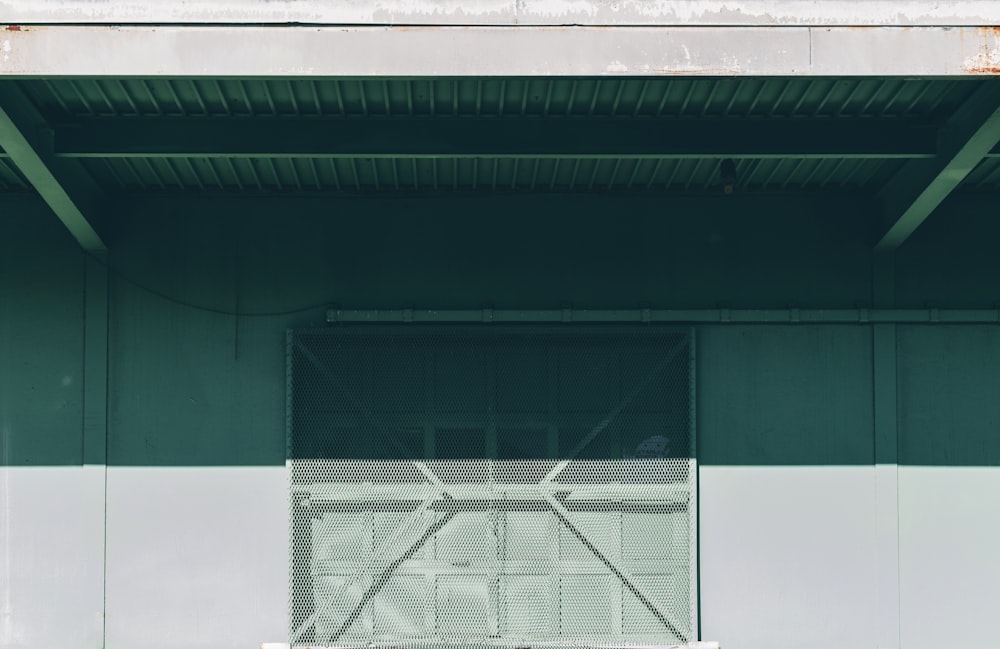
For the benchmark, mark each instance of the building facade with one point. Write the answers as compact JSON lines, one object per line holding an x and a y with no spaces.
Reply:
{"x":807,"y":190}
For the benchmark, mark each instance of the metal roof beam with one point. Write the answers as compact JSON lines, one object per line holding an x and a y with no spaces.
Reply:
{"x":668,"y":316}
{"x":494,"y":137}
{"x":920,"y":186}
{"x":62,"y":184}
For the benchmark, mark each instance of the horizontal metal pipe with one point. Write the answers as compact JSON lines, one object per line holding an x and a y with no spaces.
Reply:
{"x":677,"y":316}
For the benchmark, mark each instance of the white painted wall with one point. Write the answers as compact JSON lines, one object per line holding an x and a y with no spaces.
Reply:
{"x":788,"y":557}
{"x":51,"y":557}
{"x":949,"y":556}
{"x":197,"y":557}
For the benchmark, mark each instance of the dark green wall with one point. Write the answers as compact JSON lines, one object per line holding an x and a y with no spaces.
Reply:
{"x":508,"y":251}
{"x":951,"y":261}
{"x":193,"y":387}
{"x":949,"y":395}
{"x":785,"y":395}
{"x":41,"y":337}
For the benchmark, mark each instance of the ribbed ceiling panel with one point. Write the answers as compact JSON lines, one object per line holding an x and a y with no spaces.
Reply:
{"x":66,"y":98}
{"x":11,"y":179}
{"x":986,"y":175}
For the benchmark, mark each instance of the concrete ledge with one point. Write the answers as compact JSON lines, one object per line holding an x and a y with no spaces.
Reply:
{"x":255,"y":51}
{"x":507,"y":12}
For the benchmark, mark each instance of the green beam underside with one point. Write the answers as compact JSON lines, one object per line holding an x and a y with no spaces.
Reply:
{"x":489,"y":316}
{"x":916,"y":191}
{"x":405,"y":137}
{"x":62,"y":184}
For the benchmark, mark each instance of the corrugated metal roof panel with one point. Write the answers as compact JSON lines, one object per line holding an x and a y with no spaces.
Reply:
{"x":986,"y":175}
{"x":11,"y":179}
{"x":66,"y":98}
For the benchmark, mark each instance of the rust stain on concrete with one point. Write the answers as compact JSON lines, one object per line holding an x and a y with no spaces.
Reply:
{"x":987,"y":60}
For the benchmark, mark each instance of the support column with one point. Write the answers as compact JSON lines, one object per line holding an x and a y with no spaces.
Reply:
{"x":886,"y":456}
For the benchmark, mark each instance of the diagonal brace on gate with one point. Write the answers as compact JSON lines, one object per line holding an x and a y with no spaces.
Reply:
{"x":565,"y":517}
{"x":602,"y":425}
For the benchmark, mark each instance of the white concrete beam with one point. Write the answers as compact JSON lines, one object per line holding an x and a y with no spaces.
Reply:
{"x":495,"y":51}
{"x":508,"y":12}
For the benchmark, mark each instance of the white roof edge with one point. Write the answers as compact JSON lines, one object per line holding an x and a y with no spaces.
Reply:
{"x":895,"y":13}
{"x":255,"y":51}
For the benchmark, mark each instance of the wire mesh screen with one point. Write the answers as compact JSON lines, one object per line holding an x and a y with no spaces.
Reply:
{"x":517,"y":486}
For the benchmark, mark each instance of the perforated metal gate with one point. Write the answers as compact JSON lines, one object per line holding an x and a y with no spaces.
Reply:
{"x":491,"y":485}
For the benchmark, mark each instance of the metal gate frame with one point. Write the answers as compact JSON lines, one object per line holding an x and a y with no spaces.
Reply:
{"x":453,"y":498}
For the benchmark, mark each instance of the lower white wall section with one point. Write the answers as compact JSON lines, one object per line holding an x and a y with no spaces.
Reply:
{"x":51,"y":557}
{"x":949,"y":554}
{"x":197,"y":557}
{"x":788,"y":557}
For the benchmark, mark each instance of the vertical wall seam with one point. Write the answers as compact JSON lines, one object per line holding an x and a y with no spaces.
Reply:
{"x":96,"y":395}
{"x":885,"y":398}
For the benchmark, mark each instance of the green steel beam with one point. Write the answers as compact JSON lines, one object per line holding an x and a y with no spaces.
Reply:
{"x":62,"y":184}
{"x":407,"y":137}
{"x":677,"y":316}
{"x":916,"y":191}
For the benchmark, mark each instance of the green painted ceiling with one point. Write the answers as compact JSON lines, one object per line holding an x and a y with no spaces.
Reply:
{"x":64,"y":100}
